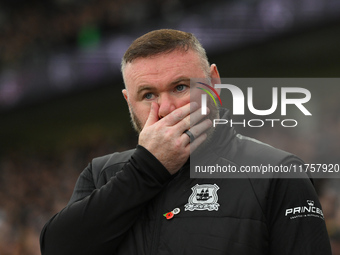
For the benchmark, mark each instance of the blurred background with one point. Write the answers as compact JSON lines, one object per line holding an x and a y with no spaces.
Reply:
{"x":60,"y":89}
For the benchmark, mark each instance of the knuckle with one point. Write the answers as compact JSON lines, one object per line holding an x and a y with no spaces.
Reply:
{"x":187,"y":121}
{"x":168,"y":133}
{"x":178,"y":144}
{"x":178,"y":114}
{"x":195,"y":133}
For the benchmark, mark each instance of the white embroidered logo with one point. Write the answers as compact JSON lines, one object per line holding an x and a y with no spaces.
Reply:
{"x":203,"y":197}
{"x":304,"y":211}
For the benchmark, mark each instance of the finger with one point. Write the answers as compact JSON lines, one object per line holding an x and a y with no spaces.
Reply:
{"x":201,"y":127}
{"x":197,"y":142}
{"x":197,"y":130}
{"x":187,"y":133}
{"x":179,"y":114}
{"x":153,"y":115}
{"x":191,"y":120}
{"x":196,"y":117}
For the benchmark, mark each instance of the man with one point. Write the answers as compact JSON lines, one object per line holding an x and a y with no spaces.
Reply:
{"x":143,"y":201}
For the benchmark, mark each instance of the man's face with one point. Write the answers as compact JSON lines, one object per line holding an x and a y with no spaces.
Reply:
{"x":164,"y":79}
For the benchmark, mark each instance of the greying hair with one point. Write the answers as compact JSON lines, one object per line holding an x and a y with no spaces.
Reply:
{"x":164,"y":41}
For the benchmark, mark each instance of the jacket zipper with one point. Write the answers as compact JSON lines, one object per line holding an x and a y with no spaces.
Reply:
{"x":157,"y":228}
{"x":159,"y":218}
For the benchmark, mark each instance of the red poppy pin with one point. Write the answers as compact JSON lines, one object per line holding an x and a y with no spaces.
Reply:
{"x":171,"y":214}
{"x":168,"y":215}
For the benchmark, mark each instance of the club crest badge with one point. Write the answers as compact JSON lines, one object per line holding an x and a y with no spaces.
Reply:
{"x":203,"y":197}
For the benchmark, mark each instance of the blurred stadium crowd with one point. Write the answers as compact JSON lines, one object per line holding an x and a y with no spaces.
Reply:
{"x":33,"y":29}
{"x":35,"y":187}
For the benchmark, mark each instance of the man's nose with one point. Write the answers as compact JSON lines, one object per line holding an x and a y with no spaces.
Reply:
{"x":166,"y":105}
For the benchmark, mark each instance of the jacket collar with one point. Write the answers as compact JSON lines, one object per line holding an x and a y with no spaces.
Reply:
{"x":223,"y":134}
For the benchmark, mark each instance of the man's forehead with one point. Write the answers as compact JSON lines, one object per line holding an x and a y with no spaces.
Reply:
{"x":154,"y":65}
{"x":172,"y":55}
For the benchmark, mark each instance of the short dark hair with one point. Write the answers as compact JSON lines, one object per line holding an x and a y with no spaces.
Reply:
{"x":163,"y":41}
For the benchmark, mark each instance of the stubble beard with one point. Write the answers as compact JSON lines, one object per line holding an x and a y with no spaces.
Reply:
{"x":136,"y":123}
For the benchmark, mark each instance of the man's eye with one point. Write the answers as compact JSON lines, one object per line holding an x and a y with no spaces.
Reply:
{"x":148,"y":96}
{"x":181,"y":87}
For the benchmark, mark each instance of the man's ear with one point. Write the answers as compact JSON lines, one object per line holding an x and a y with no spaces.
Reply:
{"x":215,"y":77}
{"x":125,"y":94}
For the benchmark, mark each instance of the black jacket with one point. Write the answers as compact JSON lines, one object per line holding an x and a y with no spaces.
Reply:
{"x":120,"y":204}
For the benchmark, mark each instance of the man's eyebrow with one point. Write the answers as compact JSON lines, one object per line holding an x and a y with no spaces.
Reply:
{"x":180,"y":79}
{"x":144,"y":87}
{"x":150,"y":87}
